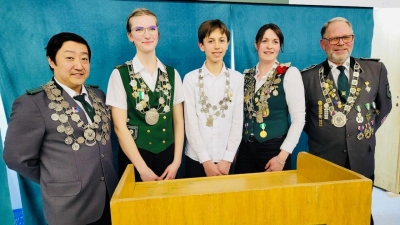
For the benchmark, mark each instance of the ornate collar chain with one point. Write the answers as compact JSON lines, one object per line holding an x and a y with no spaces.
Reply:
{"x":223,"y":103}
{"x":332,"y":97}
{"x":64,"y":113}
{"x":264,"y":93}
{"x":142,"y":98}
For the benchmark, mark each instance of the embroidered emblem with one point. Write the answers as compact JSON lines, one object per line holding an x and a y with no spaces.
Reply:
{"x":388,"y":93}
{"x":133,"y":130}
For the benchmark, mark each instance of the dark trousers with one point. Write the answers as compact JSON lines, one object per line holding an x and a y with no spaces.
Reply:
{"x":253,"y":156}
{"x":105,"y":218}
{"x":156,"y":162}
{"x":347,"y":166}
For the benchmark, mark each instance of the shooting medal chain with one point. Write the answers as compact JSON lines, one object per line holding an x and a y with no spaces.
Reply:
{"x":64,"y":113}
{"x":142,"y":98}
{"x":264,"y":92}
{"x":339,"y":117}
{"x":206,"y":105}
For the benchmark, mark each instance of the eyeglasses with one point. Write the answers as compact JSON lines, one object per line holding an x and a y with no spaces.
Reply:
{"x":141,"y":30}
{"x":334,"y":41}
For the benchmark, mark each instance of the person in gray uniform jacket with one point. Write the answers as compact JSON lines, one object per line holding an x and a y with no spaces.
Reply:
{"x":64,"y":126}
{"x":347,"y":100}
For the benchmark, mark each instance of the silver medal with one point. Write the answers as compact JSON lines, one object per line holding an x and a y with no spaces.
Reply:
{"x":75,"y":146}
{"x":152,"y":116}
{"x":339,"y":119}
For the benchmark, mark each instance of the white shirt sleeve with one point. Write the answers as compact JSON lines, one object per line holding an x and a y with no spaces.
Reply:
{"x":178,"y":91}
{"x":235,"y":134}
{"x":116,"y":95}
{"x":192,"y":128}
{"x":294,"y":91}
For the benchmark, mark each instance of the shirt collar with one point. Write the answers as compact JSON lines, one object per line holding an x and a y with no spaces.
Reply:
{"x":346,"y":64}
{"x":138,"y":66}
{"x":205,"y":71}
{"x":258,"y":71}
{"x":69,"y":91}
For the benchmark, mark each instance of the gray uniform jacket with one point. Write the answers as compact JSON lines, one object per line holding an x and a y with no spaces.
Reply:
{"x":73,"y":183}
{"x":335,"y":143}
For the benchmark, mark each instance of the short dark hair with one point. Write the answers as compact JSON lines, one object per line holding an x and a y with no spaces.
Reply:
{"x":275,"y":29}
{"x":209,"y":26}
{"x":57,"y":41}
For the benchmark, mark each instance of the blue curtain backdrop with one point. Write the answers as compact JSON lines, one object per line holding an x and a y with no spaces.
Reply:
{"x":27,"y":26}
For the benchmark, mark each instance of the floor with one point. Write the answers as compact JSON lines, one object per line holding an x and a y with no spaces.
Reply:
{"x":385,"y":207}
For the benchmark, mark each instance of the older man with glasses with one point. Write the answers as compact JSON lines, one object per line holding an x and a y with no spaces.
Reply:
{"x":347,"y":100}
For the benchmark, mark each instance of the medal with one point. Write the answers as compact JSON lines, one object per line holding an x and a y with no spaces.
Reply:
{"x":209,"y":121}
{"x":275,"y":93}
{"x":359,"y":117}
{"x":376,"y":111}
{"x":368,"y":115}
{"x":339,"y":119}
{"x":263,"y":133}
{"x":151,"y":117}
{"x":367,"y":88}
{"x":367,"y":131}
{"x":360,"y":135}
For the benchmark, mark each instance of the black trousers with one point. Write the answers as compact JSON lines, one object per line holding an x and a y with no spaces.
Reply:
{"x":156,"y":162}
{"x":348,"y":166}
{"x":253,"y":156}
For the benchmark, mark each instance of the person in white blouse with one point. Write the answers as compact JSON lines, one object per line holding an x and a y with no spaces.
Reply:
{"x":146,"y":99}
{"x":272,"y":92}
{"x":213,"y":106}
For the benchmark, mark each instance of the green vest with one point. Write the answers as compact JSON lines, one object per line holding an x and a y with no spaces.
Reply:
{"x":276,"y":122}
{"x":153,"y":138}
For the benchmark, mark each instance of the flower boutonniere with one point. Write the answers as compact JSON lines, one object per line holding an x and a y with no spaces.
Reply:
{"x":281,"y":69}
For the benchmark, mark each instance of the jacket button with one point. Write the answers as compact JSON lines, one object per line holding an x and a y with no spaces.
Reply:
{"x":102,"y":155}
{"x":345,"y":151}
{"x":348,"y":136}
{"x":101,"y":178}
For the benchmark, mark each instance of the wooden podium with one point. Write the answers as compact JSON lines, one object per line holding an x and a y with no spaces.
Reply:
{"x":318,"y":192}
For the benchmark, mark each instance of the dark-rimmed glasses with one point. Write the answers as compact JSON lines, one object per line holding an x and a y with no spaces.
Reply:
{"x":334,"y":41}
{"x":141,"y":30}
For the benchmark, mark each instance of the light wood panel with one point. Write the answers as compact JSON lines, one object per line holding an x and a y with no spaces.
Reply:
{"x":386,"y":46}
{"x":319,"y":192}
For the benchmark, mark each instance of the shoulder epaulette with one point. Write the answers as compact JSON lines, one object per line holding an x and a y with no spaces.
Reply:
{"x":92,"y":85}
{"x":371,"y":59}
{"x":119,"y":66}
{"x":309,"y":68}
{"x":34,"y":90}
{"x":285,"y":64}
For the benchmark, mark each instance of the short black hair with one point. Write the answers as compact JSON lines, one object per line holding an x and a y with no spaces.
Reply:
{"x":275,"y":29}
{"x":57,"y":41}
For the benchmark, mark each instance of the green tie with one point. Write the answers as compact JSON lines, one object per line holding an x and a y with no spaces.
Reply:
{"x":343,"y":84}
{"x":88,"y":108}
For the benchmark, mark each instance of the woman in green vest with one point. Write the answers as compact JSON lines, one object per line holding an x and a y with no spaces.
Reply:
{"x":146,"y":98}
{"x":272,"y":92}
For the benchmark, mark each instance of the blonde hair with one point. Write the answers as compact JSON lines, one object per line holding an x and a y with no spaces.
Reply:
{"x":139,"y":12}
